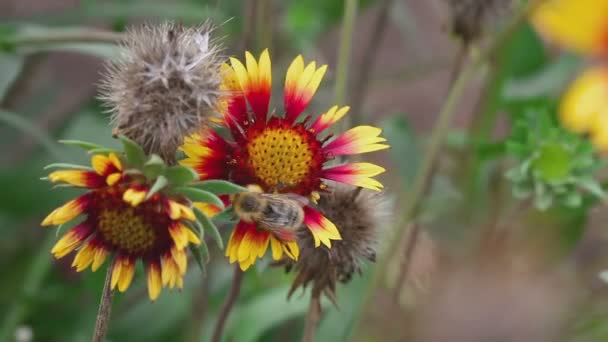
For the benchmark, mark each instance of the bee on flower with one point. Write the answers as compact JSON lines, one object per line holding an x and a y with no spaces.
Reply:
{"x":285,"y":153}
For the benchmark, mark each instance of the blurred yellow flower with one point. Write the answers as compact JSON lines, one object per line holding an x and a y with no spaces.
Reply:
{"x":578,"y":25}
{"x":584,"y":107}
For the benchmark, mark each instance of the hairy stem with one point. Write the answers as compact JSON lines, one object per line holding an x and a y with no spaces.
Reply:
{"x":105,"y":309}
{"x":235,"y":289}
{"x":312,"y":318}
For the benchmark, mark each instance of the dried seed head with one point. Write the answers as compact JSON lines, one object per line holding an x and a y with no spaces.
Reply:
{"x":165,"y":85}
{"x":468,"y":18}
{"x":359,"y":214}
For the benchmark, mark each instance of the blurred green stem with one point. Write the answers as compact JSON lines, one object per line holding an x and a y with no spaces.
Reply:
{"x":39,"y":268}
{"x":344,"y":53}
{"x":233,"y":295}
{"x":18,"y":122}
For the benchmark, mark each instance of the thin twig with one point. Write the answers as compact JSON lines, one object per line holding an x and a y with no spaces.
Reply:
{"x":406,"y":259}
{"x":249,"y":15}
{"x":105,"y":309}
{"x":361,"y":78}
{"x":312,"y":319}
{"x":235,"y":289}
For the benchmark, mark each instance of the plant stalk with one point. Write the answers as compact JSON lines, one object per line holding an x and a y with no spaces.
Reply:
{"x":105,"y":309}
{"x":312,"y":318}
{"x":235,"y":290}
{"x":344,"y":54}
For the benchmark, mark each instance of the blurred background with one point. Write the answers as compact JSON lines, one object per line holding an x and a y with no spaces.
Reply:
{"x":485,"y":267}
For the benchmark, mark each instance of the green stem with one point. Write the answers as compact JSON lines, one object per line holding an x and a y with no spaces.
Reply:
{"x":344,"y":52}
{"x":71,"y":36}
{"x":39,"y":268}
{"x":27,"y":127}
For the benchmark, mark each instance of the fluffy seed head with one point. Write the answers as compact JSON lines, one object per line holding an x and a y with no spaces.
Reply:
{"x":359,"y":214}
{"x":164,"y":86}
{"x":468,"y":18}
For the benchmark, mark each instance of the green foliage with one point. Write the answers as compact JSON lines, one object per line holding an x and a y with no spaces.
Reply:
{"x":554,"y":165}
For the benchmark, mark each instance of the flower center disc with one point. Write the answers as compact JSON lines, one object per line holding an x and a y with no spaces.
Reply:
{"x":138,"y":231}
{"x":280,"y":156}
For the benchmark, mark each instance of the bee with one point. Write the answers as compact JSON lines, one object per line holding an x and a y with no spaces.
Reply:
{"x":281,"y":214}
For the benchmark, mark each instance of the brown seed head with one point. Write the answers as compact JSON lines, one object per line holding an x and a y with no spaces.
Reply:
{"x":469,"y":18}
{"x":165,"y":85}
{"x":359,"y":214}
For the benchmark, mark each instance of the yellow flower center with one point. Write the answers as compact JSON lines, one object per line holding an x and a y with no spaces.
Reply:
{"x":280,"y":157}
{"x":126,"y":230}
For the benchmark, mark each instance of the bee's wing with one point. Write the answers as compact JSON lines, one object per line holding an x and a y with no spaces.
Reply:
{"x":301,"y":200}
{"x":276,"y":218}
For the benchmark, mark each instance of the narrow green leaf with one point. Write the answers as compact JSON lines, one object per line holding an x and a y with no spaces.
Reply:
{"x":67,"y":166}
{"x":227,"y":215}
{"x":180,"y":175}
{"x":210,"y":227}
{"x":102,"y":150}
{"x":154,"y":167}
{"x":158,"y":185}
{"x":219,"y":187}
{"x":198,"y":257}
{"x":135,"y":154}
{"x":204,"y":251}
{"x":198,"y":195}
{"x":82,"y":144}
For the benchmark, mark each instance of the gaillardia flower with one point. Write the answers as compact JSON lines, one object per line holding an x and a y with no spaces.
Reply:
{"x":129,"y":214}
{"x":288,"y":153}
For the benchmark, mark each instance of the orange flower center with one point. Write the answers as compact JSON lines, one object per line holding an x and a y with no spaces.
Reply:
{"x":280,"y":157}
{"x":126,"y":230}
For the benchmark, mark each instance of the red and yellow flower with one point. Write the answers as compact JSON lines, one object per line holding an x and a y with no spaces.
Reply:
{"x":286,"y":153}
{"x":122,"y":220}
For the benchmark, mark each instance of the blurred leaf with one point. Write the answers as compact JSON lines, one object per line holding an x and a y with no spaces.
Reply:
{"x":159,"y":184}
{"x":135,"y":154}
{"x":198,"y":195}
{"x":10,"y":66}
{"x":180,"y":175}
{"x":267,"y":310}
{"x":549,"y":81}
{"x":22,"y":124}
{"x":154,"y":166}
{"x":209,"y":227}
{"x":404,"y":151}
{"x":82,"y":144}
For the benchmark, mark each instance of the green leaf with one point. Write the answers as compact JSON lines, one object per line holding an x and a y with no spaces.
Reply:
{"x":135,"y":154}
{"x":154,"y":167}
{"x":82,"y":144}
{"x":210,"y":227}
{"x":180,"y":175}
{"x":103,"y":150}
{"x":227,"y":215}
{"x":573,"y":200}
{"x":198,"y":256}
{"x":592,"y":186}
{"x":67,"y":166}
{"x":198,"y":195}
{"x":219,"y":187}
{"x":10,"y":66}
{"x":158,"y":185}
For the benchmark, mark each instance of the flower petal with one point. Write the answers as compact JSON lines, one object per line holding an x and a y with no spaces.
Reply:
{"x":134,"y":196}
{"x":67,"y":211}
{"x":358,"y":174}
{"x":122,"y":273}
{"x":586,"y":98}
{"x":580,"y":25}
{"x":154,"y":280}
{"x":329,"y":118}
{"x":360,"y":139}
{"x":301,"y":83}
{"x":72,"y":239}
{"x":207,"y":153}
{"x":80,"y":178}
{"x":322,"y":229}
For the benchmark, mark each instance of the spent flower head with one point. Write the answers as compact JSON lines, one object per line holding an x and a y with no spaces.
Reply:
{"x":468,"y":18}
{"x":165,"y":85}
{"x":554,"y":165}
{"x":285,"y":152}
{"x":361,"y":215}
{"x":135,"y":208}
